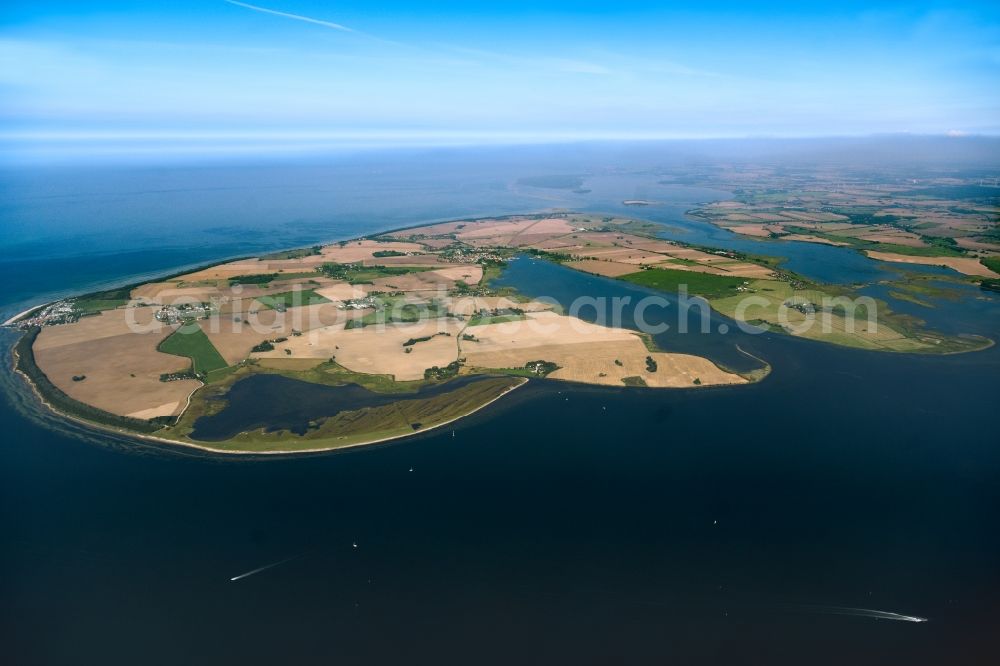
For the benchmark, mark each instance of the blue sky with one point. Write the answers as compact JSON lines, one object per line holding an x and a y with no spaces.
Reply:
{"x":507,"y":70}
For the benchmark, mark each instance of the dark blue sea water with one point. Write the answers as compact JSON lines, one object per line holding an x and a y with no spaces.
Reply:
{"x":562,"y":525}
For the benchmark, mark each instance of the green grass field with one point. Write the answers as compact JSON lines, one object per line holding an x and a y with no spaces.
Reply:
{"x":288,"y":299}
{"x":190,"y":341}
{"x":992,"y":263}
{"x":102,"y":300}
{"x":482,"y":320}
{"x":358,"y":274}
{"x":91,"y":305}
{"x":700,"y":284}
{"x":937,"y":248}
{"x":396,"y":309}
{"x":894,"y":332}
{"x":928,"y":251}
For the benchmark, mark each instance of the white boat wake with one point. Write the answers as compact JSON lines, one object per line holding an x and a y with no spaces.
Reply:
{"x":263,"y":568}
{"x":862,"y":612}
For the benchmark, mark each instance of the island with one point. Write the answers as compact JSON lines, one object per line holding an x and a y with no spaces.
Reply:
{"x":373,"y":339}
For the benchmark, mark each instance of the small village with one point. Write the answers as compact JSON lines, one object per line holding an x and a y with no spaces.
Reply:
{"x":53,"y":314}
{"x":175,"y":314}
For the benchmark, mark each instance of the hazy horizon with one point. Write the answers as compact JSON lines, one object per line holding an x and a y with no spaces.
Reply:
{"x":300,"y":71}
{"x":567,"y":155}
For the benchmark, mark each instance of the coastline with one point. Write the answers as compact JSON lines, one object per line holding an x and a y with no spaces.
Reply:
{"x":753,"y":377}
{"x":13,"y":320}
{"x":240,"y":452}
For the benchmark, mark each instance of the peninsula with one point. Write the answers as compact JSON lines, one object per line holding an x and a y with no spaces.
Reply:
{"x":410,"y":320}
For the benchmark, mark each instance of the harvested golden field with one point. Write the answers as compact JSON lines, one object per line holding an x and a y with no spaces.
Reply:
{"x":894,"y":236}
{"x":163,"y":293}
{"x":621,"y":255}
{"x":662,"y":247}
{"x":964,"y":265}
{"x":978,"y":244}
{"x":501,"y":230}
{"x":697,"y":255}
{"x":469,"y":305}
{"x":174,"y":293}
{"x":468,"y":273}
{"x":541,"y":328}
{"x":362,"y":250}
{"x":438,"y":279}
{"x":674,"y":265}
{"x":605,"y":268}
{"x":439,"y":229}
{"x":551,"y":225}
{"x":234,"y":339}
{"x":805,"y":238}
{"x":436,"y":243}
{"x":758,"y":230}
{"x":229,"y":270}
{"x":556,"y":244}
{"x":509,"y":232}
{"x":540,"y":231}
{"x":121,"y":369}
{"x":528,"y":239}
{"x":597,"y":238}
{"x":343,"y":291}
{"x":721,"y":266}
{"x":300,"y":265}
{"x":378,"y":349}
{"x":409,"y":260}
{"x":108,"y":324}
{"x":585,"y":353}
{"x":743,"y":269}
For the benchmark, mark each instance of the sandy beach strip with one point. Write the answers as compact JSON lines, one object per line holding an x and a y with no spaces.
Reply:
{"x":13,"y":320}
